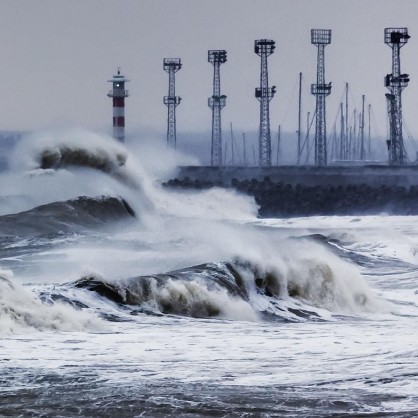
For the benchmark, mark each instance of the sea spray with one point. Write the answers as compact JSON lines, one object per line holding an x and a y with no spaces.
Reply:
{"x":181,"y":229}
{"x":61,"y":148}
{"x":156,"y":159}
{"x":309,"y":272}
{"x":204,"y":291}
{"x":66,"y":164}
{"x":298,"y":288}
{"x":20,"y":310}
{"x":213,"y":204}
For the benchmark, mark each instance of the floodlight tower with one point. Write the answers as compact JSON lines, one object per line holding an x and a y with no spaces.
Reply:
{"x":391,"y":108}
{"x":118,"y":94}
{"x":320,"y":38}
{"x":171,"y":66}
{"x":216,"y":103}
{"x":396,"y":38}
{"x":264,"y":48}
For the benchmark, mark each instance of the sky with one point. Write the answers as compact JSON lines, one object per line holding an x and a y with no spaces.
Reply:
{"x":57,"y":56}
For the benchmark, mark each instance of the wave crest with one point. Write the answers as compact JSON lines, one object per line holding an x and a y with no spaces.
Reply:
{"x":64,"y":155}
{"x":19,"y":310}
{"x":201,"y":292}
{"x":58,"y":218}
{"x":244,"y":290}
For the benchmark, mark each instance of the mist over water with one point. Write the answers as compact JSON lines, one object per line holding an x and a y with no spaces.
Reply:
{"x":185,"y":302}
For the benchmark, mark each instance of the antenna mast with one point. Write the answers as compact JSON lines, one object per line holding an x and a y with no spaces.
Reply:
{"x":171,"y":66}
{"x":216,"y":103}
{"x":308,"y":146}
{"x":320,"y":38}
{"x":264,"y":48}
{"x":396,"y":38}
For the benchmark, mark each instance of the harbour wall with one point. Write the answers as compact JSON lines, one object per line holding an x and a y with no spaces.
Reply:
{"x":371,"y":175}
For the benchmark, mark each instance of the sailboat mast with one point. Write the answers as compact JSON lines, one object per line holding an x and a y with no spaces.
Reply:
{"x":244,"y":147}
{"x":232,"y":147}
{"x":362,"y":151}
{"x":299,"y":117}
{"x":369,"y":142}
{"x":342,"y":128}
{"x":347,"y":147}
{"x":226,"y":153}
{"x":354,"y":140}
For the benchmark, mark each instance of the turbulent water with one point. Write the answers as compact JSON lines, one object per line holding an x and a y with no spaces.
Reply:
{"x":119,"y":298}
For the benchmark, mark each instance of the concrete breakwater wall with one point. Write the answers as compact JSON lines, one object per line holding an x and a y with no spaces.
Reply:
{"x":373,"y":175}
{"x":307,"y":191}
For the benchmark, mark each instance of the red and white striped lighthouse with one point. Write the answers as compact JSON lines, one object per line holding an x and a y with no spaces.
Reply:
{"x":118,"y":93}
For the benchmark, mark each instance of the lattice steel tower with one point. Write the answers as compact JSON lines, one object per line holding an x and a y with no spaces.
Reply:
{"x":171,"y":65}
{"x":216,"y":103}
{"x":396,"y":38}
{"x":264,"y":48}
{"x":320,"y":38}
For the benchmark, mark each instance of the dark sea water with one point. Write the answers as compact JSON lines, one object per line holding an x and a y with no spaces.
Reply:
{"x":119,"y":298}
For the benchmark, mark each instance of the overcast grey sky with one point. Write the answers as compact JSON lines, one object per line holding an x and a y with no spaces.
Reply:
{"x":57,"y":55}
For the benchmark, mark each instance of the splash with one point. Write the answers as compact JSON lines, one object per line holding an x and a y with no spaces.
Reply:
{"x":297,"y":289}
{"x":65,"y":148}
{"x":20,"y":310}
{"x":204,"y":291}
{"x":185,"y":229}
{"x":310,"y":273}
{"x":63,"y":165}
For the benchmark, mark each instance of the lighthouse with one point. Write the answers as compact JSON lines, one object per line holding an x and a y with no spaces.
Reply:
{"x":118,"y":93}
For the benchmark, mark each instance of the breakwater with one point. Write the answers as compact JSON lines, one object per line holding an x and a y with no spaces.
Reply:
{"x":306,"y":191}
{"x":373,"y":175}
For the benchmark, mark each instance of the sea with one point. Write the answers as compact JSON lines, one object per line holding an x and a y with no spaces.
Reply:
{"x":121,"y":298}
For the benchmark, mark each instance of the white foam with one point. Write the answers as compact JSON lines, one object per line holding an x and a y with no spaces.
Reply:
{"x":194,"y":297}
{"x":20,"y":310}
{"x":179,"y":229}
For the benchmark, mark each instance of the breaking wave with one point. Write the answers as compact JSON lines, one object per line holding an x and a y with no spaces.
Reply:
{"x":64,"y":156}
{"x":19,"y":310}
{"x":65,"y":165}
{"x":57,"y":150}
{"x":266,"y":278}
{"x":58,"y":218}
{"x":239,"y":290}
